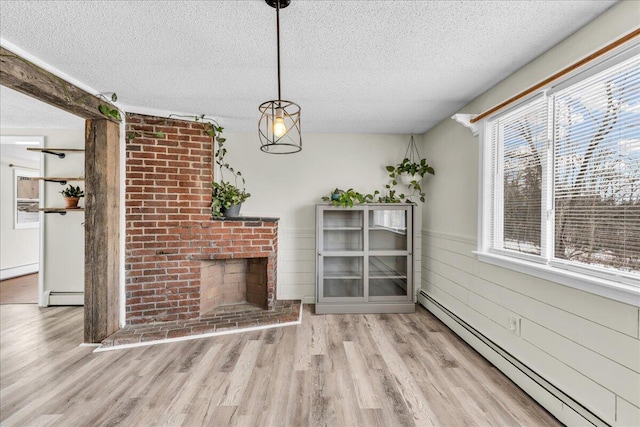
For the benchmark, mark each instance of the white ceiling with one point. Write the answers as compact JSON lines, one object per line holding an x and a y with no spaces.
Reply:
{"x":354,"y":66}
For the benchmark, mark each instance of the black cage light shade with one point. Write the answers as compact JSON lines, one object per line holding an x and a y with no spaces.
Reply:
{"x":279,"y":124}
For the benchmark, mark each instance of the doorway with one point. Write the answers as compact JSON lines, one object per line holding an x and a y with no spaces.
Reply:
{"x":102,"y":142}
{"x":36,"y":241}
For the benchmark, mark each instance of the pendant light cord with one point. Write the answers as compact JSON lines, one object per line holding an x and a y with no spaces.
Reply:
{"x":278,"y":43}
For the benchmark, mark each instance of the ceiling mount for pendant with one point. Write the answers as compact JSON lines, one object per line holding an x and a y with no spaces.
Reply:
{"x":279,"y":124}
{"x":283,"y":3}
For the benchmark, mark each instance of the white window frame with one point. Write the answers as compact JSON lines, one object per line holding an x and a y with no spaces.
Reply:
{"x":618,"y":286}
{"x":18,"y":174}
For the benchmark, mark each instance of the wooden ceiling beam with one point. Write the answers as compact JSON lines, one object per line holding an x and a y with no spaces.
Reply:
{"x":23,"y":76}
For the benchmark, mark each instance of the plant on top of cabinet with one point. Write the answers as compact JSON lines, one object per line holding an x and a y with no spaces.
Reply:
{"x":349,"y":198}
{"x":71,"y":196}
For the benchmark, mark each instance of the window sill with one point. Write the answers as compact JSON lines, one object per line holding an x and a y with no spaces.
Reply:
{"x":627,"y":294}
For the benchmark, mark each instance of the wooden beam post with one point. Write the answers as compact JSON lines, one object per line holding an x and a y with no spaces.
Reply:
{"x":102,"y":230}
{"x":23,"y":76}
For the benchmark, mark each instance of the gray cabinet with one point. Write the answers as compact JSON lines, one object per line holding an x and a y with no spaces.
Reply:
{"x":364,"y":258}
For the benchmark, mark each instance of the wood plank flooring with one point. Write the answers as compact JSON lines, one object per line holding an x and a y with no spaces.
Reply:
{"x":19,"y":290}
{"x":332,"y":370}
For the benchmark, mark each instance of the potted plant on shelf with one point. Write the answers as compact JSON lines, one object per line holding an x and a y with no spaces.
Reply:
{"x":227,"y":198}
{"x":71,"y":196}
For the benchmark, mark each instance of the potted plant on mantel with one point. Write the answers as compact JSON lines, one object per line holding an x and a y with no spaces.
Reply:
{"x":71,"y":196}
{"x":227,"y":198}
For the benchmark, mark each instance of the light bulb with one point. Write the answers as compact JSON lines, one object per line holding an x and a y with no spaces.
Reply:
{"x":279,"y":128}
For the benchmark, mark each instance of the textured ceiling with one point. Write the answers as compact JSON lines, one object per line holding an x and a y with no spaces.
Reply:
{"x":353,"y":66}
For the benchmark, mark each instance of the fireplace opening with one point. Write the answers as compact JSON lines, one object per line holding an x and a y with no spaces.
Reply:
{"x":236,"y":284}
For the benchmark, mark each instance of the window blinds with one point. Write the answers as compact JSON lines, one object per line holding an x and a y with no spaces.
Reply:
{"x":519,"y":149}
{"x":596,"y":132}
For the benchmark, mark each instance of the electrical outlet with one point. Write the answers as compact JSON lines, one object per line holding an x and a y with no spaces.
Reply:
{"x":514,"y":325}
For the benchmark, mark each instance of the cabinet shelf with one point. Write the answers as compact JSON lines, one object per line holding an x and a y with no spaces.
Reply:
{"x":60,"y":152}
{"x":342,"y":228}
{"x":387,"y":276}
{"x":345,"y":275}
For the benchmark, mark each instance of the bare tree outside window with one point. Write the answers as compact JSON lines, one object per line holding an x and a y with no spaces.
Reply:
{"x":597,"y":172}
{"x":567,"y":173}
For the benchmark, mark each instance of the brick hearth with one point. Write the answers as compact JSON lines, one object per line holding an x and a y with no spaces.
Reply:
{"x":229,"y":319}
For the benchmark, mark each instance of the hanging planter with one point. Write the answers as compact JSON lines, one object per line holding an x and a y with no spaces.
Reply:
{"x":411,"y":170}
{"x":407,"y":178}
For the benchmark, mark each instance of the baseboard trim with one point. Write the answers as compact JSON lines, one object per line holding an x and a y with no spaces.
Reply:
{"x":64,"y":298}
{"x":22,"y":270}
{"x":522,"y":375}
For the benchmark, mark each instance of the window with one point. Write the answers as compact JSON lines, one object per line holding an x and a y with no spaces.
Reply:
{"x":561,"y":177}
{"x":26,"y":199}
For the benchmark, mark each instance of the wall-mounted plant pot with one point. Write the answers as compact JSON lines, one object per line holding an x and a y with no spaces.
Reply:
{"x":231,"y":211}
{"x":406,"y":179}
{"x":71,"y":202}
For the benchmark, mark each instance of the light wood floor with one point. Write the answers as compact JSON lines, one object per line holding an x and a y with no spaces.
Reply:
{"x":19,"y":290}
{"x":333,"y":370}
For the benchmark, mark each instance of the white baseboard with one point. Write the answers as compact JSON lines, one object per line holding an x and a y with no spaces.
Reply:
{"x":563,"y":407}
{"x":22,"y":270}
{"x":64,"y":298}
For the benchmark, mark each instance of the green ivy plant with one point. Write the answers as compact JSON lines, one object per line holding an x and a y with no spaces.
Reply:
{"x":349,"y":198}
{"x":391,"y":197}
{"x":106,"y":110}
{"x":411,"y":168}
{"x":406,"y":166}
{"x":225,"y":194}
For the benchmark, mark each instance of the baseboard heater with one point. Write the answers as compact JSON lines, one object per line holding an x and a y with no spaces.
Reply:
{"x":508,"y":357}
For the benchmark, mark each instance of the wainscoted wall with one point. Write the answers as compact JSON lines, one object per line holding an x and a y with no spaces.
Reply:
{"x":585,"y":345}
{"x":289,"y":186}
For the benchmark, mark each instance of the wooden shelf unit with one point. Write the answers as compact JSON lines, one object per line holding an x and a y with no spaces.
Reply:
{"x":60,"y":152}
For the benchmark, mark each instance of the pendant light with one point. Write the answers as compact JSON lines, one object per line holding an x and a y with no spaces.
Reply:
{"x":279,"y":124}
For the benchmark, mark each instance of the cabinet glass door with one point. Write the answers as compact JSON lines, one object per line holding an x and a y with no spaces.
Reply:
{"x":388,"y":276}
{"x":342,"y":277}
{"x":388,"y":230}
{"x":342,"y":230}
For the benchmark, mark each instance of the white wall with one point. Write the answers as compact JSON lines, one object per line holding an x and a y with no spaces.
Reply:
{"x":586,"y":345}
{"x":62,"y":266}
{"x":289,"y":186}
{"x":18,"y":247}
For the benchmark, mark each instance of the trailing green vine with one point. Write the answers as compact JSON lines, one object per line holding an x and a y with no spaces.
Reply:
{"x":108,"y":111}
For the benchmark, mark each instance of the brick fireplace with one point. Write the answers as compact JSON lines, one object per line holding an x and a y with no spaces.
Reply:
{"x":173,"y":245}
